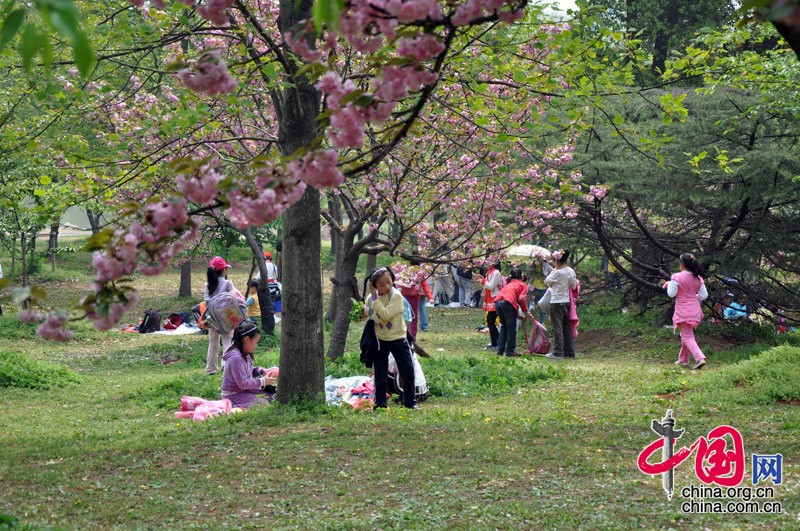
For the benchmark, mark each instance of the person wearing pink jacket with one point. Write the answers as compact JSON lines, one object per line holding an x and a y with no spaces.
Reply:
{"x":689,"y":290}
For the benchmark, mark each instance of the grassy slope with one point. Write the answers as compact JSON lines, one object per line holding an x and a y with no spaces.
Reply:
{"x":556,"y":453}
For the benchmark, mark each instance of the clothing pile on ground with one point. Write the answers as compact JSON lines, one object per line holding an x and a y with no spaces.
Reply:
{"x":356,"y":391}
{"x":199,"y":409}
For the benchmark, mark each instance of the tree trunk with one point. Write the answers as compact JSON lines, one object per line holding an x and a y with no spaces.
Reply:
{"x":661,"y":44}
{"x":94,"y":220}
{"x":185,"y":289}
{"x":52,"y":246}
{"x":346,"y":288}
{"x":302,"y":363}
{"x":372,"y":263}
{"x":335,"y":208}
{"x":337,"y":244}
{"x":24,"y":243}
{"x":262,"y":292}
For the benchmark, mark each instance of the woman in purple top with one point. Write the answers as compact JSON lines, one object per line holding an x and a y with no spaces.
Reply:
{"x":689,"y":291}
{"x":243,"y":383}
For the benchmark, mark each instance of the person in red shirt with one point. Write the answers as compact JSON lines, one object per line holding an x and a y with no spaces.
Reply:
{"x":509,"y":303}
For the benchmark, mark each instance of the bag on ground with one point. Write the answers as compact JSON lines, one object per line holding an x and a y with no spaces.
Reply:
{"x":395,"y":383}
{"x":539,"y":340}
{"x":224,"y":313}
{"x":442,"y":299}
{"x":151,"y":322}
{"x":174,"y":320}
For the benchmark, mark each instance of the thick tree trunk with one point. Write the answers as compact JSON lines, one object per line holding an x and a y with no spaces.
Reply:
{"x":302,"y":360}
{"x":346,"y":288}
{"x":661,"y":45}
{"x":185,"y":288}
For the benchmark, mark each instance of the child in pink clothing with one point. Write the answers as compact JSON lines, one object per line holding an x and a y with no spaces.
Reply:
{"x":689,"y":291}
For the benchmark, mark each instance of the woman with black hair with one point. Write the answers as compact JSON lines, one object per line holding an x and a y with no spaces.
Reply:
{"x":510,"y":302}
{"x":217,"y":282}
{"x":561,"y":281}
{"x":689,"y":290}
{"x":243,"y":383}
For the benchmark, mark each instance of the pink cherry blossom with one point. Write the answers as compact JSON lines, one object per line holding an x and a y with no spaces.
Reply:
{"x":209,"y":75}
{"x":201,"y":185}
{"x":29,"y":316}
{"x":215,"y":11}
{"x":53,"y":327}
{"x":319,"y":169}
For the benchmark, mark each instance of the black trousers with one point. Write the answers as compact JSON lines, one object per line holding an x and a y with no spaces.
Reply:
{"x":405,"y":367}
{"x":491,"y":322}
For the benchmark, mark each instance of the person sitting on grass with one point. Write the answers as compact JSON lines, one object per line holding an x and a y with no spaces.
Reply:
{"x":243,"y":383}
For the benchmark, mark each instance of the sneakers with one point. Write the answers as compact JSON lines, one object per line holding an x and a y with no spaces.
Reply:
{"x":513,"y":354}
{"x":552,"y":356}
{"x":499,"y":352}
{"x":699,"y":365}
{"x":682,"y":363}
{"x":490,"y":347}
{"x":415,"y":407}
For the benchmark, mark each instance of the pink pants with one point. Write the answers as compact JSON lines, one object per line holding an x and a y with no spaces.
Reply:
{"x":688,"y":344}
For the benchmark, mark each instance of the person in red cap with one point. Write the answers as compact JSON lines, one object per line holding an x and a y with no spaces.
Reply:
{"x":217,"y":275}
{"x":272,"y":270}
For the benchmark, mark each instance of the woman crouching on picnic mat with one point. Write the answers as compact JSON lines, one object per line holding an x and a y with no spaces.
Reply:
{"x":385,"y":307}
{"x":561,"y":281}
{"x":243,"y":384}
{"x":689,"y":290}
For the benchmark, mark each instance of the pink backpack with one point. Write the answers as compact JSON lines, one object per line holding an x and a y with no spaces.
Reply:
{"x":539,"y":340}
{"x":225,"y":311}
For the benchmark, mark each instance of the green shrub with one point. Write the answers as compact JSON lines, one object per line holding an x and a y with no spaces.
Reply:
{"x":764,"y":379}
{"x":356,"y":311}
{"x":11,"y":328}
{"x":17,"y":370}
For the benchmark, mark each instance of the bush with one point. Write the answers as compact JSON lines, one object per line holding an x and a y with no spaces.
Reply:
{"x":763,"y":379}
{"x":17,"y":370}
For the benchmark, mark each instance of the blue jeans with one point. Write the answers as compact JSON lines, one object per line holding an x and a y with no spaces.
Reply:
{"x":507,"y":340}
{"x":423,"y":314}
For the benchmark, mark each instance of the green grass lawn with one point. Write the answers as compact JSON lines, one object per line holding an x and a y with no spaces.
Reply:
{"x":501,"y":444}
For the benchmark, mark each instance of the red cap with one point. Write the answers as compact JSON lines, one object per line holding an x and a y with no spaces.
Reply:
{"x":218,"y":263}
{"x":268,"y":254}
